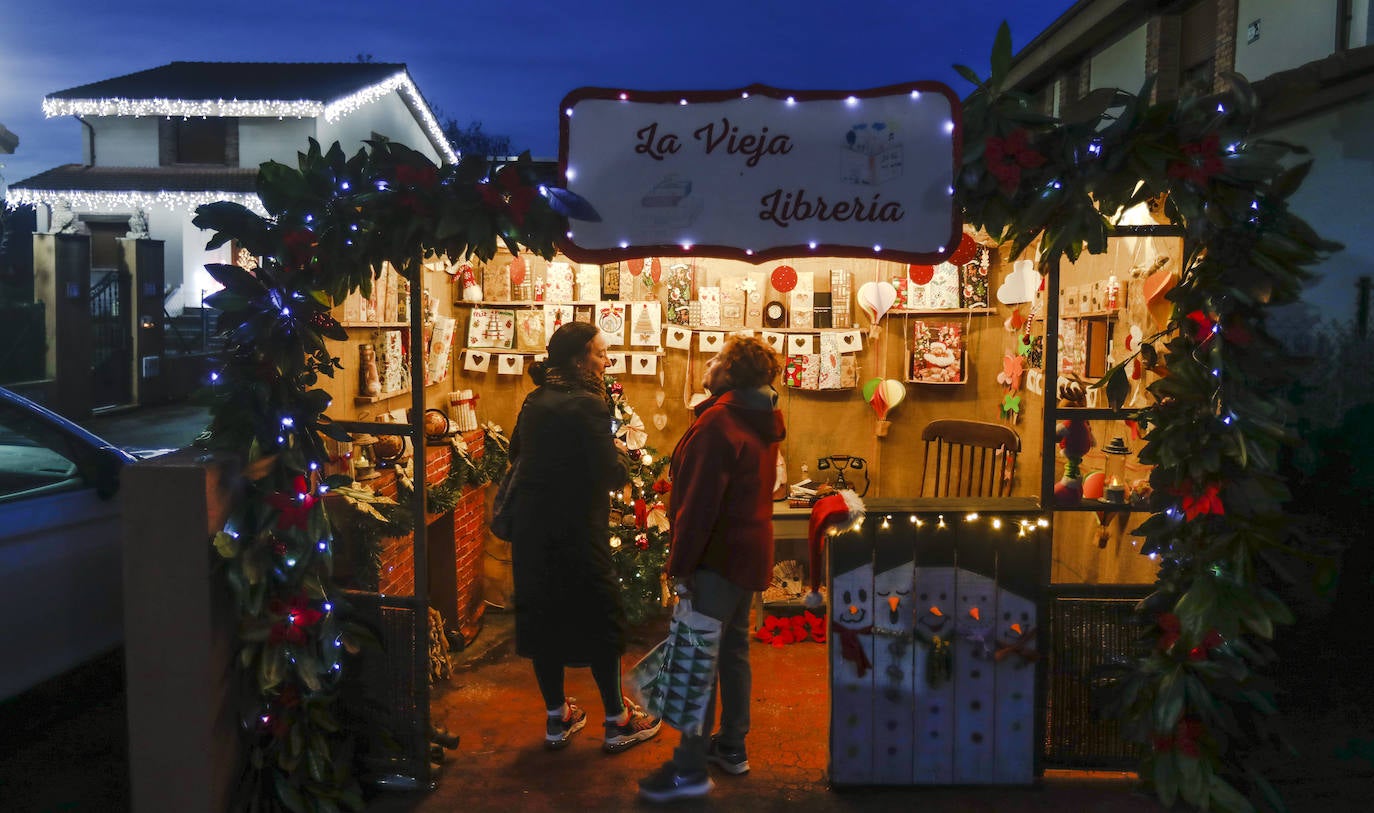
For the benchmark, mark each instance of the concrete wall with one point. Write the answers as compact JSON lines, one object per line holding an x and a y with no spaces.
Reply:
{"x":1121,"y":64}
{"x":387,"y":116}
{"x":262,"y":140}
{"x":1332,"y":200}
{"x":125,"y":141}
{"x":1291,"y":34}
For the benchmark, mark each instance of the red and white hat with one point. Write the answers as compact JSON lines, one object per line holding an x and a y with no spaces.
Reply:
{"x":843,"y":508}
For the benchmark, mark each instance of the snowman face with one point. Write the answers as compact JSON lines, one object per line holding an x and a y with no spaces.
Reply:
{"x":851,"y":594}
{"x":934,"y":604}
{"x":892,"y":598}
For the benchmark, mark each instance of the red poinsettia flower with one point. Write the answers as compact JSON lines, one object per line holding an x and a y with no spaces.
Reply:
{"x":662,"y":486}
{"x":300,"y":247}
{"x":641,"y":515}
{"x":425,"y":177}
{"x":289,"y":697}
{"x":1170,"y":630}
{"x":296,"y":615}
{"x":1006,"y":157}
{"x":293,"y":508}
{"x":1201,"y":162}
{"x":1208,"y":501}
{"x":1203,"y":326}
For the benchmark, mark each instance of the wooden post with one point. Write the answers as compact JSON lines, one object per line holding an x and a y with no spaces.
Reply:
{"x":178,"y":624}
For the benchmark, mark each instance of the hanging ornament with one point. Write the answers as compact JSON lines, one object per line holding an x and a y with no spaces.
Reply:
{"x":920,"y":274}
{"x":965,"y":252}
{"x":655,"y":270}
{"x":636,"y":266}
{"x":784,"y":278}
{"x":517,"y":271}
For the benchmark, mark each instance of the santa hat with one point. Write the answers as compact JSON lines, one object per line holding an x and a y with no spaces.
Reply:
{"x":841,"y":508}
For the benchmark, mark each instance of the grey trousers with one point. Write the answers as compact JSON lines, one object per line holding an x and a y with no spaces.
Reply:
{"x":713,"y":595}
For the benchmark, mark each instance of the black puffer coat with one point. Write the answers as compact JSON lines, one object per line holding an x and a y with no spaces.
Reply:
{"x":567,"y":598}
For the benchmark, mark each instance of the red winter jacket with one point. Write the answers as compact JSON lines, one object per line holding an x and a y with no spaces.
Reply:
{"x":721,"y":504}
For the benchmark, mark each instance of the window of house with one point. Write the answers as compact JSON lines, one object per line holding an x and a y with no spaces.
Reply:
{"x":200,"y":141}
{"x":1197,"y":48}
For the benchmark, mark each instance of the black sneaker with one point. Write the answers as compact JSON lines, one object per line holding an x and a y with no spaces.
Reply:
{"x":558,"y":730}
{"x":731,"y":759}
{"x":666,"y":784}
{"x":640,"y":727}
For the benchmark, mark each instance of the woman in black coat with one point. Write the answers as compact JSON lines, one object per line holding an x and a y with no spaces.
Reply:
{"x":568,"y":609}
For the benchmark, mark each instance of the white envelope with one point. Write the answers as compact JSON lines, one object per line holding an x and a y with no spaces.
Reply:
{"x":643,"y":363}
{"x":678,"y":338}
{"x":476,"y":361}
{"x":710,"y":341}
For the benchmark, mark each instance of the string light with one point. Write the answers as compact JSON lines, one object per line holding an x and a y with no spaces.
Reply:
{"x":95,"y":201}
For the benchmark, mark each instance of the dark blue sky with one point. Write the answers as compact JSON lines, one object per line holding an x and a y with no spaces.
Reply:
{"x":506,"y":64}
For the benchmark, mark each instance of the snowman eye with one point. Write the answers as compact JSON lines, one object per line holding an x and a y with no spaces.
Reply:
{"x":881,"y":593}
{"x":903,"y":592}
{"x":863,"y":595}
{"x":847,"y":598}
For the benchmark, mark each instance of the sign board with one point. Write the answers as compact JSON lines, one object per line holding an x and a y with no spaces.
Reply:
{"x":761,"y":173}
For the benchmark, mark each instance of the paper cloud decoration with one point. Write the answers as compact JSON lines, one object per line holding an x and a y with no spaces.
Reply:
{"x":1020,"y":285}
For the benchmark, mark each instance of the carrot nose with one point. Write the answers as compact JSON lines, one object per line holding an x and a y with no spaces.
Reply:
{"x":935,"y":611}
{"x":974,"y":612}
{"x":853,"y":610}
{"x":893,"y":601}
{"x":1016,"y":628}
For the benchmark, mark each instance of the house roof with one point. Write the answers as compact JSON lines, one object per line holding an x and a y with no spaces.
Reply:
{"x":265,"y":81}
{"x":76,"y":177}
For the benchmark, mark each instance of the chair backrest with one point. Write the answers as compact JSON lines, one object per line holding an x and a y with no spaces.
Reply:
{"x":971,"y":459}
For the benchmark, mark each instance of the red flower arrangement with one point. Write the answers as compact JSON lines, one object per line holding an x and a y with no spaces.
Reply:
{"x":792,"y":630}
{"x":300,"y":247}
{"x":293,"y":508}
{"x":1208,"y":501}
{"x":508,"y":195}
{"x":1201,"y":161}
{"x":296,"y":615}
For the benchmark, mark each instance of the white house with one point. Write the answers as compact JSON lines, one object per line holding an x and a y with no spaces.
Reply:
{"x":160,"y":142}
{"x":1312,"y":64}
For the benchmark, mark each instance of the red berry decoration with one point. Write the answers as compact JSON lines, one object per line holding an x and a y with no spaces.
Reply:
{"x":966,"y":251}
{"x":784,"y":278}
{"x":636,"y":266}
{"x":920,"y":274}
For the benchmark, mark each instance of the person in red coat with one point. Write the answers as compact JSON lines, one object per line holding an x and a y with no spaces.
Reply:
{"x":721,"y":515}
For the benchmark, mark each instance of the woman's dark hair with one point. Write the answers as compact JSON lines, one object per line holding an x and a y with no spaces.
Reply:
{"x":566,"y":345}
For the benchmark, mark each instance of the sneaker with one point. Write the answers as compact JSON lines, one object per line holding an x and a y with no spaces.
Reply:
{"x":558,"y":730}
{"x":640,"y":727}
{"x":731,"y":759}
{"x":666,"y":784}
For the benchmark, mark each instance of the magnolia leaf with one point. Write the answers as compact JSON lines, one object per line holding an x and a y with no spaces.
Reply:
{"x":571,"y":205}
{"x":1117,"y":387}
{"x":1226,"y":797}
{"x":1001,"y":54}
{"x":967,"y":73}
{"x":226,"y":545}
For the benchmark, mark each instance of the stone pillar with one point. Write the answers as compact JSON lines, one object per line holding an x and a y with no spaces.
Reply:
{"x":144,"y":261}
{"x":1225,"y":59}
{"x":62,"y":282}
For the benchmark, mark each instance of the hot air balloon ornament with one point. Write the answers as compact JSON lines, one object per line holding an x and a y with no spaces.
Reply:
{"x":883,"y":396}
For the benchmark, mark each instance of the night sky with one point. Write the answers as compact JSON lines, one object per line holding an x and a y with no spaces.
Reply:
{"x":506,"y":64}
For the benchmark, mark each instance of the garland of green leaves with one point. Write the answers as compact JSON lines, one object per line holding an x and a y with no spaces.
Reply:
{"x":1196,"y":698}
{"x":332,"y":222}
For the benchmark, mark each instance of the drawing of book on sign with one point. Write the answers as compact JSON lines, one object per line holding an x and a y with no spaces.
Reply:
{"x":669,"y":203}
{"x":937,"y":353}
{"x":872,"y":154}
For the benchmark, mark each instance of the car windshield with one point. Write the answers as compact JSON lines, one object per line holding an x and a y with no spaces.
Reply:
{"x":35,"y":457}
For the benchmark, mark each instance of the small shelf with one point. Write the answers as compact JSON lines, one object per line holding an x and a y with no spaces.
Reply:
{"x":533,"y":303}
{"x":372,"y":399}
{"x":1096,"y":315}
{"x":375,"y":324}
{"x":657,"y":351}
{"x":942,"y":311}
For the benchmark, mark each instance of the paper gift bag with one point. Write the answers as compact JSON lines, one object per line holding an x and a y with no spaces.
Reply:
{"x":558,"y":283}
{"x":675,"y":680}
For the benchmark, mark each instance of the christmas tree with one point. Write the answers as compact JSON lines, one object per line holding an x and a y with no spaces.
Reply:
{"x":638,"y":533}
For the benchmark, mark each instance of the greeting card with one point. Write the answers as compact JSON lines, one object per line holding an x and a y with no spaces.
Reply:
{"x":937,"y":353}
{"x":942,"y":292}
{"x":802,"y":372}
{"x":496,"y":283}
{"x":492,"y":328}
{"x":678,"y":281}
{"x":643,"y":363}
{"x":529,"y":330}
{"x":800,"y":343}
{"x":828,"y":369}
{"x":616,"y":363}
{"x":555,"y":316}
{"x":476,"y":361}
{"x":646,"y":321}
{"x":709,"y":297}
{"x":678,"y":338}
{"x":841,"y":291}
{"x":610,"y":318}
{"x":558,"y":283}
{"x":510,"y":364}
{"x":710,"y":341}
{"x":588,"y":283}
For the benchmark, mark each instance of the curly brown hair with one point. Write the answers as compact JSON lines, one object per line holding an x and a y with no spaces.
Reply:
{"x":748,"y":362}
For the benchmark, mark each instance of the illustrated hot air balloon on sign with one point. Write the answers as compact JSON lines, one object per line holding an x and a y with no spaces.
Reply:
{"x":883,"y":396}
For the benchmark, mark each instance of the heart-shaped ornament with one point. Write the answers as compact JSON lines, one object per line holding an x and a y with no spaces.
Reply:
{"x":660,"y":421}
{"x":478,"y":358}
{"x":509,"y":362}
{"x":643,"y":362}
{"x":712,"y":339}
{"x":659,"y":398}
{"x":876,"y":298}
{"x":847,"y":339}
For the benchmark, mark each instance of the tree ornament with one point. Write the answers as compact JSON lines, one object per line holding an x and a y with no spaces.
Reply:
{"x":784,"y":278}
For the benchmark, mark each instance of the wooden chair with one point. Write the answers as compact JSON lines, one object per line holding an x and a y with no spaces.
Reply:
{"x":972,"y":459}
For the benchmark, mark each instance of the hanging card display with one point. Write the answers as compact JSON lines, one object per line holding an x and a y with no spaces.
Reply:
{"x":645,"y":324}
{"x":710,"y":341}
{"x":529,"y":330}
{"x":616,"y":363}
{"x":937,"y":353}
{"x":610,"y":319}
{"x":588,"y":283}
{"x":777,"y":341}
{"x":678,"y":338}
{"x":391,"y":357}
{"x":476,"y":361}
{"x":802,"y":371}
{"x":828,"y":366}
{"x":841,"y":292}
{"x":491,"y":328}
{"x":800,"y":343}
{"x":496,"y":283}
{"x":440,"y":348}
{"x":709,"y":297}
{"x":678,"y":281}
{"x":941,"y":293}
{"x":556,"y":316}
{"x":558,"y":283}
{"x":510,"y":364}
{"x":801,"y":300}
{"x":643,"y":363}
{"x":752,"y":286}
{"x":973,"y":282}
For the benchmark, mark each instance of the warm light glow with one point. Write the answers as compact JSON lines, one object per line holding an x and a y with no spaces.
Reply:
{"x":81,"y":200}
